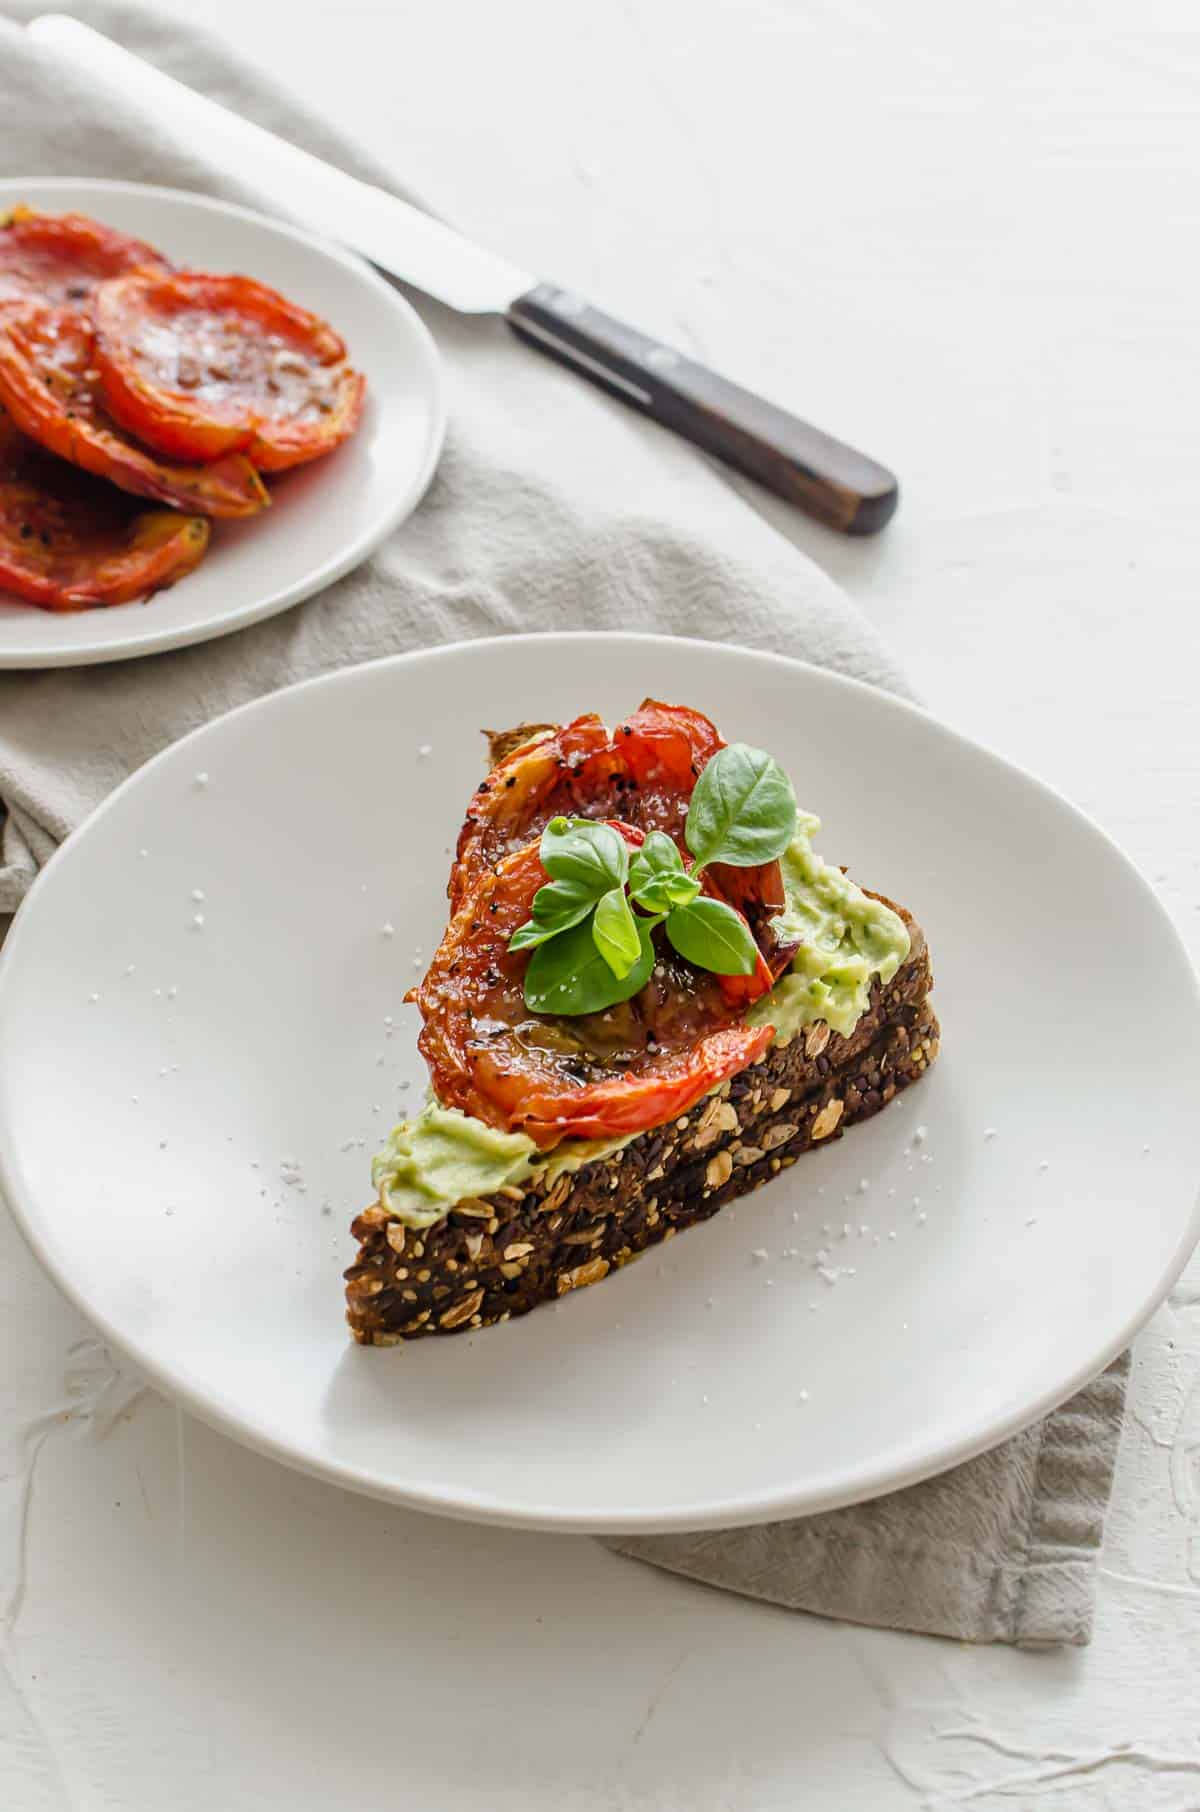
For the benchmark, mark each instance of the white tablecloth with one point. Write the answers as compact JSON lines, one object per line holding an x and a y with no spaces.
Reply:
{"x":964,"y":238}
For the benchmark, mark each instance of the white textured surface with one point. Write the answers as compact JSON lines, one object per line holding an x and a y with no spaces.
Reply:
{"x":966,"y":239}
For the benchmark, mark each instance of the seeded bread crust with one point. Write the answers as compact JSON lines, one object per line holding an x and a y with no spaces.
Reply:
{"x":497,"y":1256}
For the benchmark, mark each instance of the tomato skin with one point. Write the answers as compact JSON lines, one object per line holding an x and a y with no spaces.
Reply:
{"x":70,"y":542}
{"x":519,"y":796}
{"x":49,"y":386}
{"x":60,"y":258}
{"x":198,"y":365}
{"x":634,"y":1104}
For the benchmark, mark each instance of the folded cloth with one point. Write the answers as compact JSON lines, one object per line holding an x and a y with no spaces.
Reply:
{"x":554,"y":508}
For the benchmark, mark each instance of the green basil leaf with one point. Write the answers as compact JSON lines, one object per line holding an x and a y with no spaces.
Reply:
{"x":743,"y":809}
{"x":591,"y":856}
{"x":713,"y":936}
{"x":658,"y":856}
{"x":665,"y":891}
{"x":657,"y":877}
{"x":680,"y":889}
{"x":556,"y":907}
{"x":615,"y":932}
{"x":568,"y":975}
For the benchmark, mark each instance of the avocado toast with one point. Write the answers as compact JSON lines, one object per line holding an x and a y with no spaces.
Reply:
{"x":651,"y":997}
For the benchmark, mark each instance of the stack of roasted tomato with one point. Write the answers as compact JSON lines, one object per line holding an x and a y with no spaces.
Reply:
{"x":124,"y":380}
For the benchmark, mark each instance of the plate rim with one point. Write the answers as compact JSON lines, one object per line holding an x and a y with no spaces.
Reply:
{"x":160,"y":641}
{"x":927,"y":1460}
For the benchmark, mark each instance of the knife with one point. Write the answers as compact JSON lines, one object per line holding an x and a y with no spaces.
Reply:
{"x":810,"y":469}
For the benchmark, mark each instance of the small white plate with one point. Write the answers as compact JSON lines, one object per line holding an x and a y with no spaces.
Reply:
{"x":325,"y":517}
{"x":187,"y":1110}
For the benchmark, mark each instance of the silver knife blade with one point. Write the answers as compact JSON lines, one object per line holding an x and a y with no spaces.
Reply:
{"x":394,"y":235}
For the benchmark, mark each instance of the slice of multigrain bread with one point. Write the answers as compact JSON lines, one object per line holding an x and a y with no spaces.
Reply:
{"x":497,"y":1256}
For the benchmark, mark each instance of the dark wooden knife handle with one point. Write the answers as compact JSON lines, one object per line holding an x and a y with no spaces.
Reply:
{"x":812,"y":470}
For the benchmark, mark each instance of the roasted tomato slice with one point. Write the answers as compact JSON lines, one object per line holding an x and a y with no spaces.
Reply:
{"x":644,"y":772}
{"x":50,"y":386}
{"x":60,"y":258}
{"x":197,"y":366}
{"x":592,"y":1076}
{"x":69,"y":541}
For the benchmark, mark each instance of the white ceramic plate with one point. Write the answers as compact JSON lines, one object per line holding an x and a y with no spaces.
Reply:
{"x":325,"y":517}
{"x":187,"y":1111}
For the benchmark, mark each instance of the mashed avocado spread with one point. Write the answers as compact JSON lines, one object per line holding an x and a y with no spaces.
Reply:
{"x":441,"y":1155}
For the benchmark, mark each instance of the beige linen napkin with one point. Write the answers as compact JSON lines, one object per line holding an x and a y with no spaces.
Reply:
{"x":553,"y":508}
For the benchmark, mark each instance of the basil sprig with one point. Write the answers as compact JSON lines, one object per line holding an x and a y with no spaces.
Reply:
{"x":585,"y":861}
{"x":591,"y":950}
